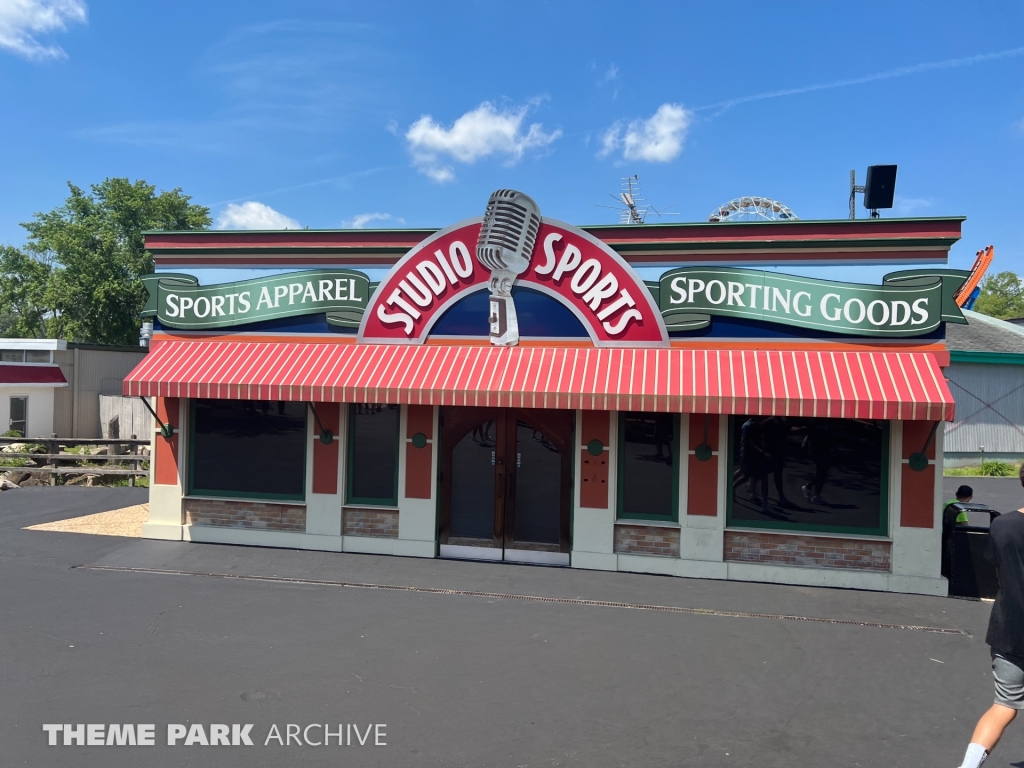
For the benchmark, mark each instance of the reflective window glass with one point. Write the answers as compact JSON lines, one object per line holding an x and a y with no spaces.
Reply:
{"x":373,"y":454}
{"x":816,"y":474}
{"x":647,"y":466}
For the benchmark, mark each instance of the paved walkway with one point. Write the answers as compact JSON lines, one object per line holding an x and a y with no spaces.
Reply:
{"x":1002,"y":493}
{"x":465,"y":677}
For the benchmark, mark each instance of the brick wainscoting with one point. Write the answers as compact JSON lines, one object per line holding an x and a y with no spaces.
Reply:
{"x":381,"y":523}
{"x":233,"y":513}
{"x":647,"y":540}
{"x":816,"y":551}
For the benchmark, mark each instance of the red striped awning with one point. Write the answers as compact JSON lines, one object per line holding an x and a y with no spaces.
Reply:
{"x":868,"y":385}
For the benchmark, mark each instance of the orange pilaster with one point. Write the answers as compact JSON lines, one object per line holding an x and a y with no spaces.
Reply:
{"x":325,"y":457}
{"x":165,"y":452}
{"x":418,"y":461}
{"x":702,"y":485}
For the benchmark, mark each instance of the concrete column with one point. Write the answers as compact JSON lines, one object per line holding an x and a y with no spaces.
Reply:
{"x":417,"y":482}
{"x":167,"y":471}
{"x":593,"y":524}
{"x":915,"y":510}
{"x":323,"y":487}
{"x":702,"y":496}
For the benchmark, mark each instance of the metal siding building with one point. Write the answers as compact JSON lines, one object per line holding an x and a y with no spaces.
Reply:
{"x":986,"y":377}
{"x":91,"y":370}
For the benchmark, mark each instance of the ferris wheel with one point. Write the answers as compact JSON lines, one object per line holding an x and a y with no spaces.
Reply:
{"x":752,"y":209}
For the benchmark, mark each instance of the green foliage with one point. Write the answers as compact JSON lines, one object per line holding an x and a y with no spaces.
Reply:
{"x":1001,"y":296}
{"x":13,"y":462}
{"x":23,"y":294}
{"x":78,"y":277}
{"x":997,"y":469}
{"x":13,"y":433}
{"x":987,"y":469}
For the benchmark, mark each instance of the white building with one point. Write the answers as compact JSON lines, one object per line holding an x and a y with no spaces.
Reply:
{"x":28,"y":380}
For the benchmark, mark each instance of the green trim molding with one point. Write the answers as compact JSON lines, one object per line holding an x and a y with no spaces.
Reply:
{"x":986,"y":358}
{"x":250,"y":495}
{"x":621,"y":469}
{"x":778,"y":525}
{"x":367,"y":501}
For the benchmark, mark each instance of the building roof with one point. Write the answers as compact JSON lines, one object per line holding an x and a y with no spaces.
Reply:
{"x":33,"y":344}
{"x":38,"y":375}
{"x":801,"y":241}
{"x":984,"y":334}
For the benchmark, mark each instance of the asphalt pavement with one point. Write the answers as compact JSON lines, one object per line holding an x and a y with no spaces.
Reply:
{"x":468,"y":664}
{"x":1002,"y":493}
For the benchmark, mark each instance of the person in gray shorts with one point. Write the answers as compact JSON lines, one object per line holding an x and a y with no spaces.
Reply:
{"x":1005,"y":635}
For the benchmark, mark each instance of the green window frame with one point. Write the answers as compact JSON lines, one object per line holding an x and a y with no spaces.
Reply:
{"x":194,"y":491}
{"x":620,"y":513}
{"x":779,"y":525}
{"x":391,"y":501}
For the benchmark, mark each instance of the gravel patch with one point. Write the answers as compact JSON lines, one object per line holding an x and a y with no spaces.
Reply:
{"x":118,"y":522}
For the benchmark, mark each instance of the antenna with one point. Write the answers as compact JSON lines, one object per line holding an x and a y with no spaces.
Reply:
{"x":632,"y":205}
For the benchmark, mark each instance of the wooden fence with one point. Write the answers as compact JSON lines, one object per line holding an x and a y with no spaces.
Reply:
{"x":59,"y":461}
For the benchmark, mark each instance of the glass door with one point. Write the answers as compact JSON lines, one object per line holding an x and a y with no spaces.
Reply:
{"x":537,"y":506}
{"x":19,"y":415}
{"x":506,"y":484}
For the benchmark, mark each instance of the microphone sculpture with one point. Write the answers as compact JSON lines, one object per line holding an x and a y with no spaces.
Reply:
{"x":507,"y":236}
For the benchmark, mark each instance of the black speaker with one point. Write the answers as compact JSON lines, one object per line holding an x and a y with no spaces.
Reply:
{"x":880,"y":186}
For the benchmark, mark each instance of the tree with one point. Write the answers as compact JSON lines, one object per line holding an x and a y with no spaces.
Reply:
{"x":23,"y":305}
{"x":1001,"y":296}
{"x":90,"y":255}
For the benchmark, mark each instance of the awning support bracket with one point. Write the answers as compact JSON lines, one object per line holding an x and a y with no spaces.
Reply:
{"x":167,"y":430}
{"x":326,"y":436}
{"x":919,"y":461}
{"x":703,"y":451}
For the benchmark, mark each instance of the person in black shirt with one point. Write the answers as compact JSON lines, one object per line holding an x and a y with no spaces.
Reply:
{"x":1005,"y":635}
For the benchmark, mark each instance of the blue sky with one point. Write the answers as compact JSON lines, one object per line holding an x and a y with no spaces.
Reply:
{"x":335,"y":114}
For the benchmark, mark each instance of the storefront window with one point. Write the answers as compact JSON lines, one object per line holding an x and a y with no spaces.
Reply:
{"x":810,"y":474}
{"x":248,"y":448}
{"x":373,"y":454}
{"x":648,"y":466}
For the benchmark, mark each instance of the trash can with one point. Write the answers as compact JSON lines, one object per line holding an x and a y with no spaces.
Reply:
{"x":970,"y":573}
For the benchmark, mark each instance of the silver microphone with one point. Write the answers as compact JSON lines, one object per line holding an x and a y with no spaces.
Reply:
{"x":507,"y":237}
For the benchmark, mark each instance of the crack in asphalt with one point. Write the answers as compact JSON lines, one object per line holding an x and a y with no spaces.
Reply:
{"x":534,"y":598}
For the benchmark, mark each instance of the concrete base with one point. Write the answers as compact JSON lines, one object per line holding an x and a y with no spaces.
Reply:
{"x":162,"y":531}
{"x":811,"y":577}
{"x":259,"y":538}
{"x":919,"y":585}
{"x":594,"y":561}
{"x":672,"y":566}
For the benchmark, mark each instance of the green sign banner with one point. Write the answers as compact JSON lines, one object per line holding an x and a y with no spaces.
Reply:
{"x":178,"y":301}
{"x":908,"y":303}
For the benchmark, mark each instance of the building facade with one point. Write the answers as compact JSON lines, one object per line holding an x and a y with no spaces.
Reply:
{"x":986,"y":378}
{"x":512,"y":388}
{"x":29,"y":383}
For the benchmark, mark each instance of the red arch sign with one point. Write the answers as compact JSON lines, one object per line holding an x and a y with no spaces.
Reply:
{"x":568,"y":264}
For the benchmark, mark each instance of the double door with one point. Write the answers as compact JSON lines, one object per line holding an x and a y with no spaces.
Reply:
{"x":506,"y":484}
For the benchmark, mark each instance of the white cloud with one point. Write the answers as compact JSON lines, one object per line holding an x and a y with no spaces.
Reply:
{"x":22,"y":20}
{"x":253,"y":215}
{"x":909,"y":206}
{"x":360,"y":220}
{"x":480,"y":133}
{"x":612,"y":73}
{"x":657,"y":139}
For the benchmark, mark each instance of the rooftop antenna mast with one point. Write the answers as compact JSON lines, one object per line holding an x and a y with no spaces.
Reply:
{"x":632,"y":206}
{"x":629,"y":193}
